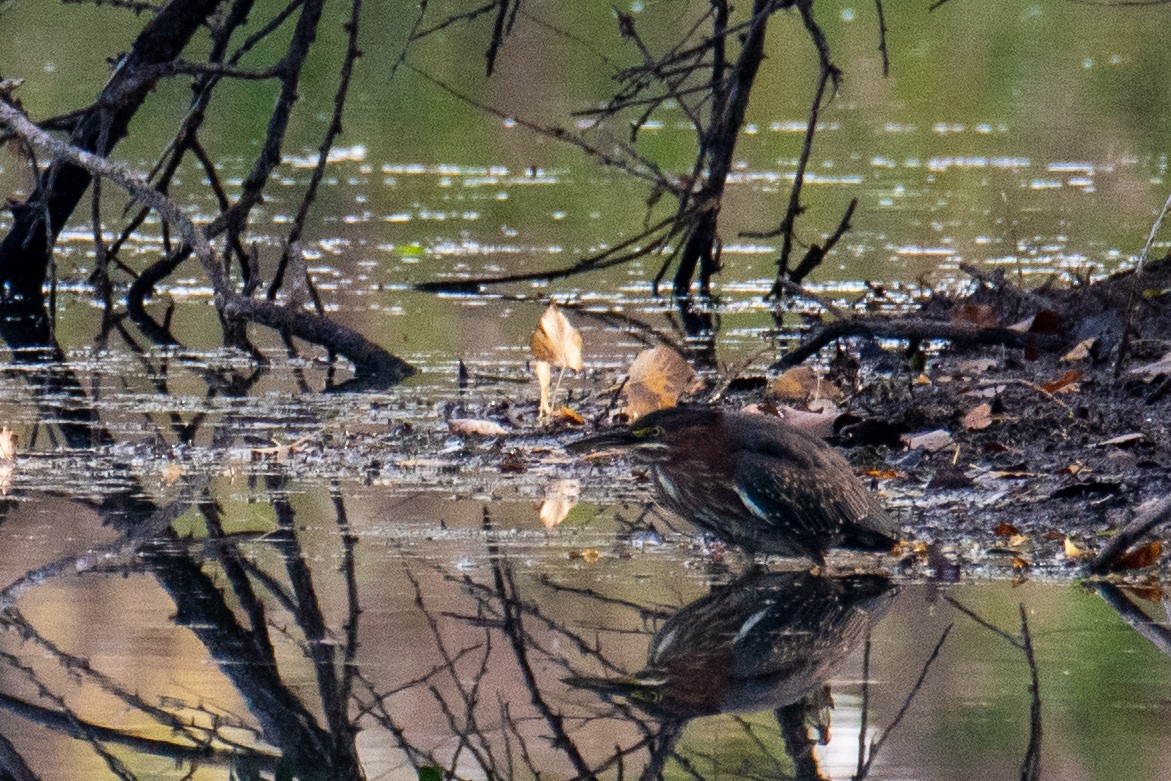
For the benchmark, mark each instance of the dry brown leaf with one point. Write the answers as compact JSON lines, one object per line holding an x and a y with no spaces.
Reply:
{"x":1072,"y":551}
{"x":560,"y":497}
{"x":8,"y":443}
{"x":1142,"y":556}
{"x":556,"y":341}
{"x":1020,"y":562}
{"x":658,"y":377}
{"x":1017,"y":540}
{"x":1066,"y":383}
{"x":882,"y":474}
{"x":1082,"y":351}
{"x":565,"y":413}
{"x":1004,"y":529}
{"x":171,"y":472}
{"x":591,"y":555}
{"x":979,"y":417}
{"x":802,"y":383}
{"x":922,"y":379}
{"x":475,"y":427}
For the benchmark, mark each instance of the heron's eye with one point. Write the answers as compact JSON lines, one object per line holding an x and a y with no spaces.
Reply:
{"x":648,"y":432}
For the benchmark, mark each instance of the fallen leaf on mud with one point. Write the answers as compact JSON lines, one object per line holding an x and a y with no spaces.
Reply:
{"x":658,"y":377}
{"x":1020,"y":562}
{"x":1152,"y":370}
{"x":560,"y":497}
{"x":979,"y":417}
{"x":1082,"y":351}
{"x":1066,"y":383}
{"x":1122,"y":441}
{"x":922,"y":379}
{"x":565,"y":413}
{"x":1072,"y":551}
{"x":556,"y":341}
{"x":475,"y":427}
{"x":1141,"y":557}
{"x":8,"y":443}
{"x":1004,"y":529}
{"x":931,"y":441}
{"x":802,"y":383}
{"x":979,"y":315}
{"x":1017,"y":540}
{"x":171,"y":472}
{"x":882,"y":474}
{"x":591,"y":555}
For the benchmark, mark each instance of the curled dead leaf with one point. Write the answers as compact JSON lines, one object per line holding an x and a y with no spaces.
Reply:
{"x":658,"y":377}
{"x":1004,"y":529}
{"x":1072,"y":551}
{"x":556,"y":341}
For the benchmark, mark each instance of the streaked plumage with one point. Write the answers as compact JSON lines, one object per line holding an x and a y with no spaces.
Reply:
{"x":753,"y":480}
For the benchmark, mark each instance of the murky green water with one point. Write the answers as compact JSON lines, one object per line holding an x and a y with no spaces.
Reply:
{"x":196,"y":599}
{"x":466,"y":617}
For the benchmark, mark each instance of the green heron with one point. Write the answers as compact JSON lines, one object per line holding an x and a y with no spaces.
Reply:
{"x":753,"y":480}
{"x":764,"y":641}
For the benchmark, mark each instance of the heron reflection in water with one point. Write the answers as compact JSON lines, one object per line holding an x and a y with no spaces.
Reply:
{"x":764,"y":641}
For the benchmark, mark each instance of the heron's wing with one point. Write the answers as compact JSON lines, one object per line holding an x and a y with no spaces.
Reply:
{"x":816,"y":496}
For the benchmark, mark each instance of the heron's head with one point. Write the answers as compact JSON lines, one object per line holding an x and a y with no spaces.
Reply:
{"x":653,"y":436}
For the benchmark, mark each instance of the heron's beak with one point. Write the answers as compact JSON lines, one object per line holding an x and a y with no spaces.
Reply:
{"x":602,"y":444}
